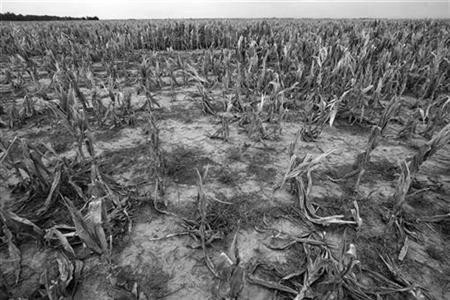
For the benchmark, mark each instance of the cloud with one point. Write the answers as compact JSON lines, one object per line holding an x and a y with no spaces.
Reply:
{"x":139,"y":9}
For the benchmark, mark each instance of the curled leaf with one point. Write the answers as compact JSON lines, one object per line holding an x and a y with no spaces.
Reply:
{"x":55,"y":233}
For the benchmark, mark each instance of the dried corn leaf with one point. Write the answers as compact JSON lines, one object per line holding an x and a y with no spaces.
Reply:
{"x":356,"y":216}
{"x":96,"y":215}
{"x":14,"y":221}
{"x":233,"y":251}
{"x":404,"y":250}
{"x":436,"y":218}
{"x":429,"y":149}
{"x":309,"y":212}
{"x":402,"y":188}
{"x":66,"y":270}
{"x":53,"y":188}
{"x":55,"y":233}
{"x":236,"y":282}
{"x":270,"y":284}
{"x":6,"y":152}
{"x":299,"y":167}
{"x":61,"y":279}
{"x":14,"y":252}
{"x":333,"y":114}
{"x":85,"y":230}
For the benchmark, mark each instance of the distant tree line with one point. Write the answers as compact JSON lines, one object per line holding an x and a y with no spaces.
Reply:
{"x":13,"y":17}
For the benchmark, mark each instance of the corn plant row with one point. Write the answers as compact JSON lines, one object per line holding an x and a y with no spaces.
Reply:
{"x":291,"y":62}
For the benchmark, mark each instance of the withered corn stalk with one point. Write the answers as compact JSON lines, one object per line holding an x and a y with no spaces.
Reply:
{"x":293,"y":144}
{"x":50,"y":183}
{"x":440,"y":140}
{"x":299,"y":176}
{"x":437,"y":114}
{"x":252,"y":123}
{"x":77,"y":125}
{"x":205,"y":100}
{"x":409,"y":129}
{"x":363,"y":159}
{"x":300,"y":167}
{"x":89,"y":228}
{"x":156,"y":156}
{"x":202,"y":208}
{"x":402,"y":188}
{"x":223,"y":132}
{"x":310,"y":212}
{"x":409,"y":170}
{"x":77,"y":90}
{"x":258,"y":56}
{"x":329,"y":277}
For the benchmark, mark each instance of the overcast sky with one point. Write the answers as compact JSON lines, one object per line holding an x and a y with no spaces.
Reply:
{"x":147,"y":9}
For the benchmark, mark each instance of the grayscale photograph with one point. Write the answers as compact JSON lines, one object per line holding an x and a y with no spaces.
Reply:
{"x":212,"y":149}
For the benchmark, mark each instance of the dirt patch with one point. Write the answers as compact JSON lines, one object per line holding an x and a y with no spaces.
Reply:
{"x":143,"y":279}
{"x":354,"y":128}
{"x":33,"y":262}
{"x":240,"y":210}
{"x":334,"y":206}
{"x":435,"y":253}
{"x":258,"y":165}
{"x":107,"y":135}
{"x":58,"y":137}
{"x":262,"y":173}
{"x":226,"y":176}
{"x":180,"y":112}
{"x":187,"y":277}
{"x":182,"y":163}
{"x":129,"y":159}
{"x":234,"y":154}
{"x":444,"y":229}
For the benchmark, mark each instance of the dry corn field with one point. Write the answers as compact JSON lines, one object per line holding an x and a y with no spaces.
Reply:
{"x":225,"y":159}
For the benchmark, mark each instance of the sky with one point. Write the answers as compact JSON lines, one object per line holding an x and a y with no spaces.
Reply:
{"x":150,"y":9}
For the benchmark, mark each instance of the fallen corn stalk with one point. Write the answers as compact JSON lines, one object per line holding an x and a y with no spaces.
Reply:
{"x":298,"y":170}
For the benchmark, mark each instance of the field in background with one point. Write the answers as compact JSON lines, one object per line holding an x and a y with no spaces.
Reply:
{"x":224,"y":159}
